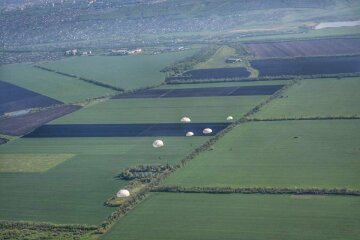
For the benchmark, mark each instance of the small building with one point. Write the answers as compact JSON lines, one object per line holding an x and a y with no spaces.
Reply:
{"x":233,"y":60}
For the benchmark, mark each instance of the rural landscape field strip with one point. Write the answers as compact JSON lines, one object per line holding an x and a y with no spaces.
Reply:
{"x":14,"y":98}
{"x":307,"y":66}
{"x":203,"y":92}
{"x":232,"y":216}
{"x":305,"y":48}
{"x":124,"y":130}
{"x":21,"y":125}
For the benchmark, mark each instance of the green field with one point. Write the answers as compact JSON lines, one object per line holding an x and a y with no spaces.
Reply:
{"x":75,"y":190}
{"x":50,"y":84}
{"x":128,"y":72}
{"x":218,"y":59}
{"x":217,"y":216}
{"x":279,"y":154}
{"x":164,"y":110}
{"x":31,"y":162}
{"x":316,"y":97}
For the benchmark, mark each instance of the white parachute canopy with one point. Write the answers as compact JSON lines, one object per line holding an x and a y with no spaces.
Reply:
{"x":123,"y":193}
{"x":189,"y":134}
{"x":158,"y":143}
{"x":185,"y":120}
{"x":207,"y":131}
{"x":229,"y":118}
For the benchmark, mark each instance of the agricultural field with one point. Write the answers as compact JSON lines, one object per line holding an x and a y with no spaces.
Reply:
{"x":305,"y":48}
{"x":124,"y":130}
{"x":128,"y":72}
{"x":203,"y":92}
{"x":303,"y":154}
{"x":75,"y":190}
{"x":233,"y":216}
{"x":171,"y":110}
{"x":14,"y":98}
{"x":307,"y":66}
{"x":316,"y":98}
{"x":59,"y":87}
{"x":21,"y":125}
{"x":218,"y":59}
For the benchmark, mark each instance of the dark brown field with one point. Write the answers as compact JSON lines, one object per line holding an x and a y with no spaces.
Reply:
{"x":22,"y":125}
{"x":304,"y":48}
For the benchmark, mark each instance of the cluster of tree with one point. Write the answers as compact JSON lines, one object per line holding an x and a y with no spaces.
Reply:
{"x":188,"y":63}
{"x":260,"y":190}
{"x":144,"y":173}
{"x":16,"y":230}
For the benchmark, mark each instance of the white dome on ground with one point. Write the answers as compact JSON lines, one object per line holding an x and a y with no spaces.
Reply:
{"x":158,"y":143}
{"x":207,"y":131}
{"x":185,"y":120}
{"x":229,"y":118}
{"x":189,"y":134}
{"x":123,"y":193}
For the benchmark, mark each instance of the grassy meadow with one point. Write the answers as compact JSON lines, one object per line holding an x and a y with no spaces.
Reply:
{"x":128,"y":72}
{"x":50,"y":84}
{"x":279,"y":154}
{"x":236,"y":216}
{"x":75,"y":190}
{"x":316,"y":97}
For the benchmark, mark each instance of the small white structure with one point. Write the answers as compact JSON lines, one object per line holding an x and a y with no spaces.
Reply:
{"x":185,"y":120}
{"x":189,"y":134}
{"x":230,"y":118}
{"x":158,"y":143}
{"x":207,"y":131}
{"x":123,"y":193}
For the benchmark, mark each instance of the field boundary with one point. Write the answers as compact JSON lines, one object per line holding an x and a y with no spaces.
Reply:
{"x":259,"y":190}
{"x":314,"y":118}
{"x":263,"y":78}
{"x":91,"y":81}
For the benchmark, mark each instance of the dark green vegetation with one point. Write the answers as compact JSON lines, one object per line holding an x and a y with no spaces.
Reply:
{"x":216,"y":216}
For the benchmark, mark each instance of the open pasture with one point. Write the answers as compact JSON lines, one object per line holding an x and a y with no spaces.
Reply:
{"x":236,"y":216}
{"x":163,"y":110}
{"x":303,"y":154}
{"x":14,"y":98}
{"x":203,"y":92}
{"x":128,"y":72}
{"x":22,"y":125}
{"x":59,"y":87}
{"x":316,"y":98}
{"x":212,"y":73}
{"x":307,"y":66}
{"x":124,"y":130}
{"x":31,"y":162}
{"x":75,"y":190}
{"x":305,"y":48}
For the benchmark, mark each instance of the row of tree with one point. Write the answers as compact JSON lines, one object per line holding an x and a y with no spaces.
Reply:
{"x":259,"y":190}
{"x":189,"y":80}
{"x":305,"y":118}
{"x":144,"y":173}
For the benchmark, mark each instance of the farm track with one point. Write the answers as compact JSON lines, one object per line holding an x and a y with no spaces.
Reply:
{"x":304,"y":118}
